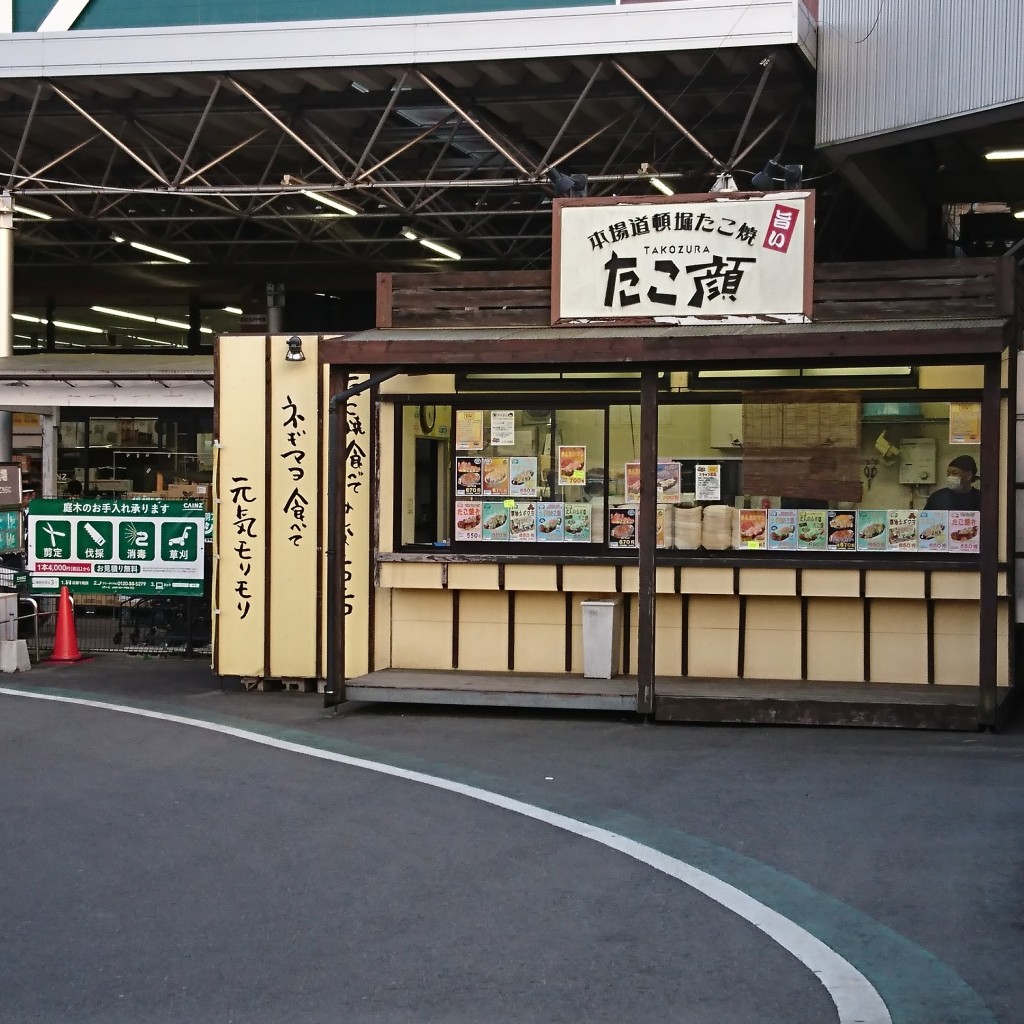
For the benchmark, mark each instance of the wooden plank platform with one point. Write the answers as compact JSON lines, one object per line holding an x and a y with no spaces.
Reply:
{"x":487,"y":689}
{"x":765,"y":702}
{"x":733,"y":701}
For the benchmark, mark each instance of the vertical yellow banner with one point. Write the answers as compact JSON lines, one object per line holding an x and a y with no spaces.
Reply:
{"x":357,"y":561}
{"x":293,"y":431}
{"x":240,"y":507}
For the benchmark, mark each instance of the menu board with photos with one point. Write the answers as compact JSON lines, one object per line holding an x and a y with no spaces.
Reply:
{"x":782,"y":529}
{"x":841,"y":535}
{"x":933,"y":530}
{"x":872,"y":529}
{"x":965,"y":532}
{"x":496,"y":476}
{"x":494,"y":525}
{"x":622,"y":526}
{"x":550,"y":521}
{"x":522,"y":476}
{"x":577,"y":525}
{"x":523,"y":522}
{"x":467,"y":520}
{"x":753,"y":527}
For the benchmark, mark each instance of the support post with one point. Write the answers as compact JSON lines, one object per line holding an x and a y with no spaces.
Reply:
{"x":647,"y":539}
{"x":988,"y":625}
{"x":337,"y":427}
{"x":6,"y":307}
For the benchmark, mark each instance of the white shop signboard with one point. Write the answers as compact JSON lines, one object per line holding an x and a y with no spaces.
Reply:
{"x":726,"y":257}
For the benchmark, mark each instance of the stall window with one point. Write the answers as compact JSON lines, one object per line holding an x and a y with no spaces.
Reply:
{"x":510,"y":475}
{"x":753,"y":471}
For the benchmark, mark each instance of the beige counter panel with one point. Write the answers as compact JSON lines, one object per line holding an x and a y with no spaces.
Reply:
{"x":835,"y":640}
{"x":540,"y":633}
{"x":483,"y":631}
{"x":957,"y":625}
{"x":713,"y":641}
{"x":830,"y":583}
{"x":668,"y":636}
{"x":600,"y":579}
{"x":772,"y":641}
{"x":382,"y":618}
{"x":472,"y":577}
{"x":701,"y":580}
{"x":410,"y":575}
{"x":422,"y":629}
{"x":956,"y":586}
{"x":531,"y":577}
{"x":780,"y":582}
{"x":899,"y":641}
{"x":894,"y":584}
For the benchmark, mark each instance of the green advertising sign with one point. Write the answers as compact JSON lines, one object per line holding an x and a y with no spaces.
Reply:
{"x":131,"y":546}
{"x":10,"y":530}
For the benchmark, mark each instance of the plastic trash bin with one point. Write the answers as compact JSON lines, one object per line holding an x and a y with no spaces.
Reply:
{"x":602,"y":636}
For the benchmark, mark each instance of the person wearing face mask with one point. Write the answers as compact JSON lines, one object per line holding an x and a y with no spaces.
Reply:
{"x":959,"y":494}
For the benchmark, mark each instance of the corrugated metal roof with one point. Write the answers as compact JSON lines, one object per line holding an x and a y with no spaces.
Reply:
{"x":52,"y":366}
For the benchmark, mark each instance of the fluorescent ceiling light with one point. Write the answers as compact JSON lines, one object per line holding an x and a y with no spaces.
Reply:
{"x":233,"y":309}
{"x":1019,"y":214}
{"x":662,"y":187}
{"x":124,"y":313}
{"x":77,"y":327}
{"x":65,"y":324}
{"x":152,"y":249}
{"x":163,"y":253}
{"x":28,"y":211}
{"x":172,"y":323}
{"x":410,"y":234}
{"x":1005,"y":154}
{"x":335,"y":204}
{"x":444,"y":250}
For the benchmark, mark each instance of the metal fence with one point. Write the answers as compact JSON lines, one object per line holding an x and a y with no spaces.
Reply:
{"x":154,"y":625}
{"x":111,"y":622}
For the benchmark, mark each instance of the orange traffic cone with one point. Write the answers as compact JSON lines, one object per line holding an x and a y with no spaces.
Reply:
{"x":65,"y":641}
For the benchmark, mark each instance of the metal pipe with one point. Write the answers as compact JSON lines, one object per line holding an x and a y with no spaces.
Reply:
{"x":666,"y":113}
{"x":109,"y":134}
{"x":334,"y":686}
{"x":471,"y":120}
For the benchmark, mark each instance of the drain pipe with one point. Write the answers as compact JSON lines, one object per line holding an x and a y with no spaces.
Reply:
{"x":334,"y":688}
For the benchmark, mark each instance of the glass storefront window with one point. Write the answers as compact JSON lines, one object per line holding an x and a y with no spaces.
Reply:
{"x":761,"y":470}
{"x":163,"y":451}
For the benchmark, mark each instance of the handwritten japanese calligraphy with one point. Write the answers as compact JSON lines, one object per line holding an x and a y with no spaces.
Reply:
{"x":297,"y":502}
{"x":243,"y":496}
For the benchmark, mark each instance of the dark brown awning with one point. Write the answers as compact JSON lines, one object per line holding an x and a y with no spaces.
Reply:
{"x":914,"y":341}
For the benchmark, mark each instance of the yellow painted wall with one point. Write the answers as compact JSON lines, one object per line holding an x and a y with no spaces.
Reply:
{"x":240,"y":507}
{"x":271,"y":412}
{"x":293,"y":519}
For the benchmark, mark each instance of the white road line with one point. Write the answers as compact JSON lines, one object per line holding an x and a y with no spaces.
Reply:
{"x":856,"y":999}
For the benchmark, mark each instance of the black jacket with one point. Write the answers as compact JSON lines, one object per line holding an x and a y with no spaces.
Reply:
{"x":955,"y":501}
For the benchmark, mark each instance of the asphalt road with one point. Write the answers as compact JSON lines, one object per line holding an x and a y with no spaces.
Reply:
{"x":155,"y":872}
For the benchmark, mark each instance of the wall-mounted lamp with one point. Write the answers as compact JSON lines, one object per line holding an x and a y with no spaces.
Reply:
{"x":294,"y":353}
{"x":766,"y":181}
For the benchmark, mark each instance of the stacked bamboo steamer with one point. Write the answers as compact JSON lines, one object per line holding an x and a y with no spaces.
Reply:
{"x":718,"y":526}
{"x":686,"y":528}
